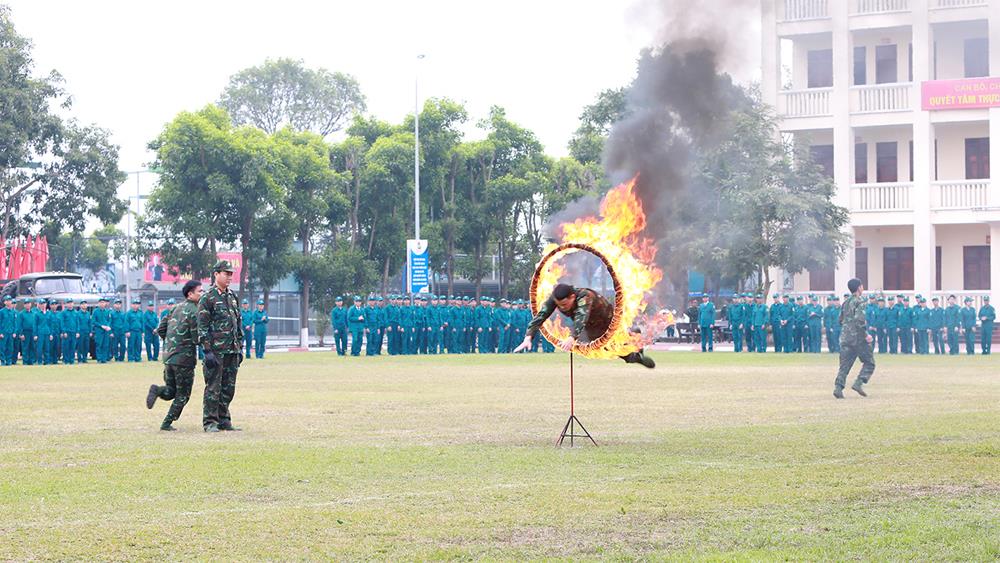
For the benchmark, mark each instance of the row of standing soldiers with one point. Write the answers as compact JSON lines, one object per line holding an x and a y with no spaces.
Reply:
{"x":431,"y":324}
{"x":41,"y":331}
{"x":895,"y":325}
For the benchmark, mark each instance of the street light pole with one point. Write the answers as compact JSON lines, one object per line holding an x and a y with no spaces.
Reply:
{"x":416,"y":151}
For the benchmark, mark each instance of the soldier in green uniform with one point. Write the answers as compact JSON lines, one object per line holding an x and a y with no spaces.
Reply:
{"x":881,"y":331}
{"x":758,"y":314}
{"x":134,"y":331}
{"x":953,"y":324}
{"x":8,"y":331}
{"x":150,"y":322}
{"x":831,"y":323}
{"x":814,"y":313}
{"x":987,"y":316}
{"x":736,"y":314}
{"x":260,"y":320}
{"x":937,"y":326}
{"x":118,"y":329}
{"x":922,"y":326}
{"x":356,"y":324}
{"x":904,"y":323}
{"x":179,"y":331}
{"x":338,"y":323}
{"x":371,"y":314}
{"x":892,"y":324}
{"x":774,"y":317}
{"x":68,"y":331}
{"x":102,"y":331}
{"x":968,"y":318}
{"x":27,"y":321}
{"x":855,"y":342}
{"x":86,"y":326}
{"x":706,"y":323}
{"x":221,"y":337}
{"x":246,"y":321}
{"x":47,"y":328}
{"x":591,"y":314}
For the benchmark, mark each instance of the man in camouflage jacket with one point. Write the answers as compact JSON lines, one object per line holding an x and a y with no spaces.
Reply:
{"x":179,"y":331}
{"x":855,"y":341}
{"x":591,"y":314}
{"x":220,"y":333}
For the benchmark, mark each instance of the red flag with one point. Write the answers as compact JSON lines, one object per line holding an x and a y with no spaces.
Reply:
{"x":3,"y":259}
{"x":26,"y":258}
{"x":15,"y":261}
{"x":29,"y":246}
{"x":45,"y":254}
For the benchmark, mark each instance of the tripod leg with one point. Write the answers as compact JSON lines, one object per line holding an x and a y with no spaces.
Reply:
{"x":562,"y":435}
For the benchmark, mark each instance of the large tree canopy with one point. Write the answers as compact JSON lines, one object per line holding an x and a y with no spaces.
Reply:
{"x":52,"y":171}
{"x":283,"y":92}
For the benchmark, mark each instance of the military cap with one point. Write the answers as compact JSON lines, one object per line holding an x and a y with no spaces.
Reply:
{"x":906,"y":298}
{"x":223,"y":266}
{"x":14,"y":300}
{"x":102,"y":298}
{"x":776,"y":295}
{"x":918,"y":296}
{"x":847,"y":295}
{"x":812,"y":296}
{"x":357,"y":298}
{"x":68,"y":300}
{"x":934,"y":299}
{"x":171,"y":301}
{"x":42,"y":300}
{"x":872,"y":296}
{"x":923,"y":300}
{"x":834,"y":297}
{"x":245,"y":302}
{"x":7,"y":298}
{"x":881,"y":299}
{"x":760,"y":296}
{"x":339,"y":298}
{"x":137,"y":301}
{"x":83,"y":302}
{"x":891,"y":298}
{"x":150,"y":304}
{"x":986,"y":298}
{"x":968,"y":300}
{"x":260,"y":301}
{"x":466,"y":298}
{"x":800,"y":298}
{"x":900,"y":295}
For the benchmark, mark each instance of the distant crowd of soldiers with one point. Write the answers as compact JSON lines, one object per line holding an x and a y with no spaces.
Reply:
{"x":431,"y":324}
{"x":896,"y":326}
{"x":49,"y":331}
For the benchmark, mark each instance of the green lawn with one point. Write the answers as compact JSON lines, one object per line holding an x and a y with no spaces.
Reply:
{"x":708,"y":456}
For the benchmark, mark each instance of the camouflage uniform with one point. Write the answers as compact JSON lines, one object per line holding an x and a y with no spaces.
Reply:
{"x":179,"y":332}
{"x":220,"y":331}
{"x":853,"y":344}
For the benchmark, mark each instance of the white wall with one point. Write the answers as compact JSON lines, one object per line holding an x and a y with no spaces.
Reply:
{"x":873,"y":135}
{"x":875,"y":239}
{"x":869,"y":39}
{"x":952,"y":239}
{"x":949,"y":40}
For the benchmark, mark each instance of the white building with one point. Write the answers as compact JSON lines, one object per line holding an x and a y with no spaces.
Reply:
{"x":896,"y":101}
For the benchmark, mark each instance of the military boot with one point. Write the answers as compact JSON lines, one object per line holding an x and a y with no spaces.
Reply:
{"x":838,"y":393}
{"x":154,"y":392}
{"x":167,"y":427}
{"x":857,"y":388}
{"x":211,"y":428}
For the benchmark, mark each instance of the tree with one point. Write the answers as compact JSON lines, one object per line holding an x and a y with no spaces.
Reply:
{"x":587,"y":143}
{"x":336,"y":271}
{"x":51,"y":171}
{"x":283,"y":92}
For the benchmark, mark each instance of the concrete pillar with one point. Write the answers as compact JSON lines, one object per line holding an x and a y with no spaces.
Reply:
{"x":993,"y":199}
{"x":770,"y":58}
{"x":923,"y":157}
{"x":995,"y":263}
{"x":843,"y":134}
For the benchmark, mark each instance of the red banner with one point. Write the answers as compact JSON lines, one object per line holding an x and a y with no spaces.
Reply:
{"x":968,"y":93}
{"x":157,"y":271}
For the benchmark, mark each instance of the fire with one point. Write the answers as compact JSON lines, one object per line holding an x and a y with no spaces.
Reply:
{"x":615,"y":235}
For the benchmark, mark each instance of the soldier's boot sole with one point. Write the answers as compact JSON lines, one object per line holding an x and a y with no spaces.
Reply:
{"x":167,"y":428}
{"x":154,"y":392}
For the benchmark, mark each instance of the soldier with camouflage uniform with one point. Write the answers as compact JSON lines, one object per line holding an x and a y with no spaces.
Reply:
{"x":220,"y":334}
{"x":855,"y":342}
{"x":179,"y":331}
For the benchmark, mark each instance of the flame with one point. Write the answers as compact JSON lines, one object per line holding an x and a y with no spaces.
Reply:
{"x":615,"y":235}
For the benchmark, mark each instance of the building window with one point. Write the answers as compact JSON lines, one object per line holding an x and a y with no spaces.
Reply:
{"x":885,"y":64}
{"x":977,"y":57}
{"x":977,"y":159}
{"x":860,"y":70}
{"x":822,"y":156}
{"x":820,"y":68}
{"x":861,"y":265}
{"x":861,"y":163}
{"x":911,"y":161}
{"x":910,"y":63}
{"x":897,"y":268}
{"x":976,"y":267}
{"x":821,"y":279}
{"x":937,"y":268}
{"x":886,"y":162}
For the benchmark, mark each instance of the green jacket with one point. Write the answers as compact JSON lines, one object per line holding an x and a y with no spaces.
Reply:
{"x":591,"y":315}
{"x":179,"y":331}
{"x":854,"y":324}
{"x":219,"y":326}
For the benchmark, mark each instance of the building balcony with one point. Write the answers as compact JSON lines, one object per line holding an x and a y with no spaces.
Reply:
{"x":814,"y":102}
{"x":874,"y":7}
{"x":881,"y":98}
{"x":958,"y":3}
{"x":881,"y":197}
{"x":803,"y":10}
{"x":960,"y":194}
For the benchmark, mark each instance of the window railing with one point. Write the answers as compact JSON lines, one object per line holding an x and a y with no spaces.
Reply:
{"x":958,"y":3}
{"x":813,"y":102}
{"x":796,"y":10}
{"x":960,"y":194}
{"x":881,"y":6}
{"x":881,"y":197}
{"x":881,"y":98}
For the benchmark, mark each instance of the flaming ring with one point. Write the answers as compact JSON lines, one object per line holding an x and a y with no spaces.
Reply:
{"x":594,"y":345}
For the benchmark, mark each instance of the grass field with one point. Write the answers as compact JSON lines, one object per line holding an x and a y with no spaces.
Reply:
{"x":708,"y":456}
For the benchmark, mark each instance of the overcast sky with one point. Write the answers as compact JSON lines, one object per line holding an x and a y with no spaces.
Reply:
{"x":132,"y":66}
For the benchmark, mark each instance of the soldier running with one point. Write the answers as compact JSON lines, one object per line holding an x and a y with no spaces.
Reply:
{"x":855,"y":342}
{"x":179,"y":331}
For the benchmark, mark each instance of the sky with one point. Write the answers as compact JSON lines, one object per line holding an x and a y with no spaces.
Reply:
{"x":132,"y":66}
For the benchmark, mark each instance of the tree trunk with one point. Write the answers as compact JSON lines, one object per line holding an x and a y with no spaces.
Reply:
{"x":385,"y":276}
{"x":355,"y":227}
{"x":244,"y":256}
{"x":304,"y":303}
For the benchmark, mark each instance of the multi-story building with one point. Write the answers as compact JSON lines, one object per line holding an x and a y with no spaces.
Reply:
{"x":898,"y":100}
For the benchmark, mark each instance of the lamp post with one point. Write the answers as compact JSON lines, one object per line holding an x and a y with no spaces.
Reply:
{"x":416,"y":150}
{"x":128,"y":238}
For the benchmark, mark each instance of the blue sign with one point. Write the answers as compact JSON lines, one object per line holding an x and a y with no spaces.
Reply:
{"x":418,"y":266}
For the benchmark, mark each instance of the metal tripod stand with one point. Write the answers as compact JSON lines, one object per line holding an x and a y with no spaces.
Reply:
{"x":569,"y":430}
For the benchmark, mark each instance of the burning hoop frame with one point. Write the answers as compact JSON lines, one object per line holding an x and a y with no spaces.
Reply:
{"x":589,"y":348}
